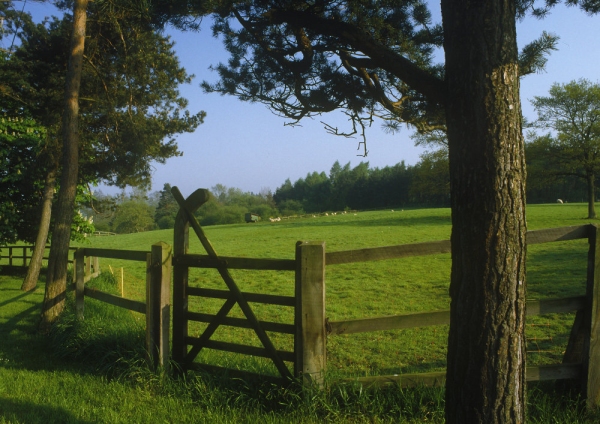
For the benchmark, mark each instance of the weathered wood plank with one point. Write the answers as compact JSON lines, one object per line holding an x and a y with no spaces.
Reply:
{"x":311,"y":339}
{"x":275,"y":327}
{"x":132,"y":305}
{"x":394,"y":322}
{"x":558,"y":234}
{"x":131,"y":255}
{"x":553,"y":372}
{"x":270,"y":299}
{"x":158,"y":301}
{"x":555,"y":306}
{"x":205,"y":261}
{"x":239,"y":348}
{"x":79,"y":283}
{"x":239,"y":374}
{"x":438,"y":378}
{"x":387,"y":252}
{"x":443,"y":246}
{"x":429,"y":379}
{"x":592,"y":316}
{"x":425,"y":319}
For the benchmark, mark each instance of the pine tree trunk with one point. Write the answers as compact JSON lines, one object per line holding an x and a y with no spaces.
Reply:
{"x":591,"y":196}
{"x":33,"y":271}
{"x":56,"y":279}
{"x":486,"y":347}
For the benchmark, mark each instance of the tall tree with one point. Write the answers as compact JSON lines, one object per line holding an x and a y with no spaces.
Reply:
{"x":124,"y":126}
{"x":374,"y":59}
{"x":431,"y":179}
{"x":167,"y":208}
{"x":56,"y":278}
{"x":572,"y":112}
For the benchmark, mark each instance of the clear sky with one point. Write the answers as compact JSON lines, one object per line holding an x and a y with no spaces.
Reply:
{"x":244,"y":145}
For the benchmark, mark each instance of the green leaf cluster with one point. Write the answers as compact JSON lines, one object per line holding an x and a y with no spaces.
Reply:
{"x":21,"y":144}
{"x":571,"y":114}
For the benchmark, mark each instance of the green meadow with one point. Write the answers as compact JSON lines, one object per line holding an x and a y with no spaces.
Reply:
{"x":102,"y":354}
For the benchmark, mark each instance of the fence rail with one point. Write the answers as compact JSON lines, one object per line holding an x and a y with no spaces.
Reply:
{"x":426,"y":319}
{"x":24,"y":257}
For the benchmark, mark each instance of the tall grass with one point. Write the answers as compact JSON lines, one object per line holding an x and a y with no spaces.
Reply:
{"x":96,"y":370}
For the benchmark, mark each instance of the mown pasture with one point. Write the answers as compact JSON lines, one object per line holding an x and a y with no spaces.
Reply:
{"x":67,"y":386}
{"x":371,"y":289}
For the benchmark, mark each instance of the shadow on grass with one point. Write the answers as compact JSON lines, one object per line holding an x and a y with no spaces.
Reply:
{"x":31,"y":413}
{"x":556,"y":270}
{"x":22,"y":347}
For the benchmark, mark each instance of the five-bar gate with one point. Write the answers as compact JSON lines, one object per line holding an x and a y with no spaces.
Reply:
{"x":308,"y":356}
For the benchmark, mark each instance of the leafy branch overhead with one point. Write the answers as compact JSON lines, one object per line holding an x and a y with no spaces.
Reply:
{"x":308,"y":58}
{"x":130,"y":107}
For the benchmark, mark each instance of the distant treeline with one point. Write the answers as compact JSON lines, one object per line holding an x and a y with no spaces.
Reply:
{"x":425,"y":184}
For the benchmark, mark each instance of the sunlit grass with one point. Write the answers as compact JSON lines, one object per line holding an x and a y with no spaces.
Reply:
{"x":99,"y":374}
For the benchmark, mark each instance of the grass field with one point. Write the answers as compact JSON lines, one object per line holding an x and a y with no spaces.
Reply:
{"x":353,"y":291}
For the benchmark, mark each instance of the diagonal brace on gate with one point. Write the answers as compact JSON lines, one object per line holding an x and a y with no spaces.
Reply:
{"x":237,"y":297}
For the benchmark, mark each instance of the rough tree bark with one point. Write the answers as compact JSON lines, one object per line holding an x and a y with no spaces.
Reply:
{"x":35,"y":265}
{"x":486,"y":346}
{"x":56,"y":279}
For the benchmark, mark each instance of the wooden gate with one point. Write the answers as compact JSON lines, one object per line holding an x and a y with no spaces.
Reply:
{"x":309,"y":341}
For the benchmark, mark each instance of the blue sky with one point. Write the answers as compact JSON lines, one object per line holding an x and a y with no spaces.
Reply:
{"x":244,"y":145}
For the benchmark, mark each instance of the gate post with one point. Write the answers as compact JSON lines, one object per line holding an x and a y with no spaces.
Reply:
{"x":591,"y":354}
{"x":181,"y":245}
{"x":158,"y":304}
{"x":310,"y":339}
{"x":79,"y":271}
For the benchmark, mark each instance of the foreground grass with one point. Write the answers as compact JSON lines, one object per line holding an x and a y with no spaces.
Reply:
{"x":94,"y":371}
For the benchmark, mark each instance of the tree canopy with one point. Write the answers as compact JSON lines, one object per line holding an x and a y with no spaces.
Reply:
{"x":572,"y":113}
{"x":131,"y":107}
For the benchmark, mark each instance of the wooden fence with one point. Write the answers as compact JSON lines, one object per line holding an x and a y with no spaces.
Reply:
{"x":91,"y":264}
{"x":158,"y":293}
{"x":584,"y":343}
{"x":21,"y":254}
{"x":311,"y":328}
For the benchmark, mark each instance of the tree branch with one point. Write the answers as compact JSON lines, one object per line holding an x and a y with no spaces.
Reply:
{"x":383,"y":57}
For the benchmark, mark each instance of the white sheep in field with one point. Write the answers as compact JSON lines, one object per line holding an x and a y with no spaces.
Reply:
{"x":559,"y":201}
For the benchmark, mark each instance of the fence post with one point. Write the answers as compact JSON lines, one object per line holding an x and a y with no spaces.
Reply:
{"x":310,"y":339}
{"x":591,"y":354}
{"x":78,"y":259}
{"x":158,"y":304}
{"x":181,"y":244}
{"x":180,"y":284}
{"x":96,"y":266}
{"x":88,"y":268}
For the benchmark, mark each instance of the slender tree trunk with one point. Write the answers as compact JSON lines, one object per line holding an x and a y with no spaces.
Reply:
{"x":56,"y":279}
{"x":591,"y":196}
{"x":486,"y":346}
{"x":33,"y":272}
